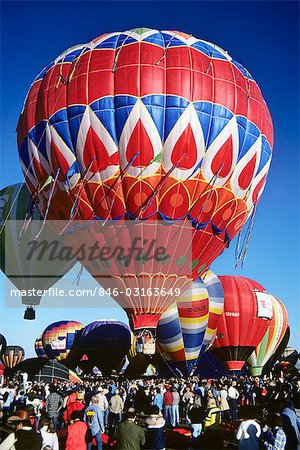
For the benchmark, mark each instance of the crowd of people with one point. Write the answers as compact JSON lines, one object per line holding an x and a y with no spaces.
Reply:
{"x":246,"y":413}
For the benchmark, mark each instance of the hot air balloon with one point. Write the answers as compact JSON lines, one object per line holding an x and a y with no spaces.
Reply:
{"x":246,"y":316}
{"x":181,"y":329}
{"x":276,"y":356}
{"x":271,"y":340}
{"x":58,"y":341}
{"x":25,"y":273}
{"x":106,"y":343}
{"x":38,"y":347}
{"x":290,"y":355}
{"x":148,"y":125}
{"x":2,"y":345}
{"x":12,"y":356}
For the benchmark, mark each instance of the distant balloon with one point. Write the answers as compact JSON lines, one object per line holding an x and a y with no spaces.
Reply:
{"x":2,"y":344}
{"x":246,"y":316}
{"x":26,"y":274}
{"x":58,"y":339}
{"x":290,"y":355}
{"x":271,"y":340}
{"x":38,"y":347}
{"x":277,"y":354}
{"x":106,"y":343}
{"x":12,"y":356}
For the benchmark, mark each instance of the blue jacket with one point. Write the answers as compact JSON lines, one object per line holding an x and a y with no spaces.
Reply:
{"x":94,"y":418}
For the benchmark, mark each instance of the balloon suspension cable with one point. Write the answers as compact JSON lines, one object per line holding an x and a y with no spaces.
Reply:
{"x":241,"y":253}
{"x":76,"y":62}
{"x":165,"y":50}
{"x":210,"y":62}
{"x":210,"y":184}
{"x":75,"y":206}
{"x":118,"y":180}
{"x":28,"y":216}
{"x":78,"y":276}
{"x":51,"y":194}
{"x":148,"y":202}
{"x":61,"y":77}
{"x":166,"y":361}
{"x":114,"y":68}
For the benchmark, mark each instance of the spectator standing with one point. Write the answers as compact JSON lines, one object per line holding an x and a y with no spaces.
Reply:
{"x":155,"y":435}
{"x":233,"y":396}
{"x":54,"y":403}
{"x":167,"y":401}
{"x":128,"y":434}
{"x":94,"y":419}
{"x":175,"y":407}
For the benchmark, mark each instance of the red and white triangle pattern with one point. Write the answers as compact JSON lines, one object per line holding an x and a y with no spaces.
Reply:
{"x":184,"y":147}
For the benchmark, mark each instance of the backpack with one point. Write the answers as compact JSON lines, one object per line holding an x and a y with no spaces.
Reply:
{"x":90,"y":417}
{"x":5,"y":396}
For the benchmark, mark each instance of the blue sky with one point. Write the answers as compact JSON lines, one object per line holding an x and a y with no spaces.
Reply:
{"x":263,"y":36}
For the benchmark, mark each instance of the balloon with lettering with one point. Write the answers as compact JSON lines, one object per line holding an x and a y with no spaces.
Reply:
{"x":2,"y":344}
{"x":25,"y":273}
{"x":59,"y":338}
{"x":39,"y":348}
{"x":12,"y":356}
{"x":106,"y":343}
{"x":247,"y":313}
{"x":148,"y":125}
{"x":271,"y":340}
{"x":188,"y":326}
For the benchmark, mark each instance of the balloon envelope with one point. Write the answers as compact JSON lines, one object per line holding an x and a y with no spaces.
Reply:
{"x":39,"y":348}
{"x":186,"y":329}
{"x":144,"y":124}
{"x":271,"y":340}
{"x":26,"y":273}
{"x":12,"y":356}
{"x":59,"y":338}
{"x":247,"y":312}
{"x":106,"y":343}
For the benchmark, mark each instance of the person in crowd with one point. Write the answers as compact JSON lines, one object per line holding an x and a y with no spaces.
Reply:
{"x":103,"y":405}
{"x":274,"y":437}
{"x":129,"y":435}
{"x":54,"y":404}
{"x":48,"y":434}
{"x":25,"y":436}
{"x":116,"y":406}
{"x":155,"y":435}
{"x":77,"y":432}
{"x":175,"y":407}
{"x":291,"y":426}
{"x":223,"y":401}
{"x":233,"y":396}
{"x":249,"y":431}
{"x":196,"y":418}
{"x":167,"y":402}
{"x":158,"y":399}
{"x":187,"y":403}
{"x":77,"y":404}
{"x":93,"y":417}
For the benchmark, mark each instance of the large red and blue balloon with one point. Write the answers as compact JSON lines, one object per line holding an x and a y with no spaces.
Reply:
{"x":144,"y":124}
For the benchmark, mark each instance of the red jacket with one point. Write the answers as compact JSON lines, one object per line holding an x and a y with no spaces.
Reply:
{"x":76,"y":439}
{"x":168,"y":398}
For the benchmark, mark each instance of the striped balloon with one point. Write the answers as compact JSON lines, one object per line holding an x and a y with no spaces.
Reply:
{"x":271,"y":340}
{"x":58,"y":338}
{"x":39,"y":348}
{"x":181,"y":329}
{"x":12,"y":356}
{"x":216,"y":303}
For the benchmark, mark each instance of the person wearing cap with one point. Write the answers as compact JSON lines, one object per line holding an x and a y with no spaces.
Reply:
{"x":26,"y":437}
{"x":76,"y":405}
{"x":77,"y":432}
{"x":155,"y":435}
{"x":128,"y":434}
{"x":93,"y":417}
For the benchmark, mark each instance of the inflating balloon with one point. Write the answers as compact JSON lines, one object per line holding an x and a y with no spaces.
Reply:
{"x":59,"y":338}
{"x":12,"y":356}
{"x":271,"y":340}
{"x":148,"y":125}
{"x":106,"y":343}
{"x":246,"y":316}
